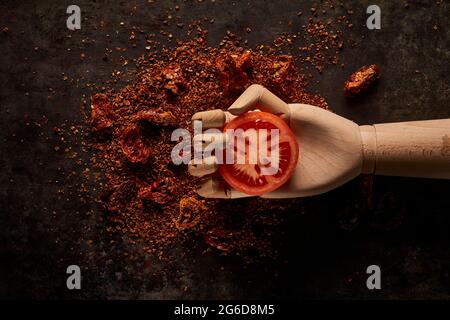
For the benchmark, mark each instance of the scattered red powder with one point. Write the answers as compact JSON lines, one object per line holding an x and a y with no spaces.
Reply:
{"x":140,"y":192}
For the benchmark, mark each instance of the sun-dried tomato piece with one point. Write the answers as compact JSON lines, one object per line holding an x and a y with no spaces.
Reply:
{"x":244,"y":61}
{"x":219,"y":239}
{"x":191,"y":212}
{"x":361,"y":80}
{"x":102,"y":116}
{"x":133,"y":144}
{"x":118,"y":195}
{"x":231,"y":72}
{"x":175,"y":82}
{"x":155,"y":193}
{"x":162,"y":118}
{"x":154,"y":196}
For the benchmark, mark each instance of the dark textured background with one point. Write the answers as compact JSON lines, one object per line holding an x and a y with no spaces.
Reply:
{"x":323,"y":254}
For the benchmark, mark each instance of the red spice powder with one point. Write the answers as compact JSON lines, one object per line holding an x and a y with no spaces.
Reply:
{"x":143,"y":194}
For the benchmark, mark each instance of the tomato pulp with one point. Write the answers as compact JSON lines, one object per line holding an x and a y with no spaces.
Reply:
{"x":248,"y":177}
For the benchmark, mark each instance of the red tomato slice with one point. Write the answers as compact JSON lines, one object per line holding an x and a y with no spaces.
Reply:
{"x":247,"y":177}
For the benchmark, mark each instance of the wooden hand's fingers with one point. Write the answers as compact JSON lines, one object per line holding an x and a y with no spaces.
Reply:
{"x":214,"y":186}
{"x":207,"y":163}
{"x":258,"y":97}
{"x":210,"y":140}
{"x":205,"y":167}
{"x":213,"y":118}
{"x":254,"y":97}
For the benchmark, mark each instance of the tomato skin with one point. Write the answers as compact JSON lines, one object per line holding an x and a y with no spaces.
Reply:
{"x":251,"y":120}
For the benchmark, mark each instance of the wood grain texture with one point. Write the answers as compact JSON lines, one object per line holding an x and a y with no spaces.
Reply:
{"x":410,"y":149}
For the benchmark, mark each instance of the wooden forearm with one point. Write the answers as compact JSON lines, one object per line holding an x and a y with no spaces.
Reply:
{"x":411,"y":149}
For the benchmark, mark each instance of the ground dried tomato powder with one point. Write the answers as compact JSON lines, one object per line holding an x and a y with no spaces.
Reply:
{"x":140,"y":192}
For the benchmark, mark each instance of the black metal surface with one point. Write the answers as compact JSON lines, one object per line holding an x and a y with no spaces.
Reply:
{"x":324,"y":253}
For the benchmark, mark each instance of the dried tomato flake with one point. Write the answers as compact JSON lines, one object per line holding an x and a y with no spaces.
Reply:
{"x":117,"y":195}
{"x":233,"y":78}
{"x":191,"y":211}
{"x":133,"y":145}
{"x":155,"y":193}
{"x":163,"y":118}
{"x":219,"y":239}
{"x":361,"y":80}
{"x":102,"y":115}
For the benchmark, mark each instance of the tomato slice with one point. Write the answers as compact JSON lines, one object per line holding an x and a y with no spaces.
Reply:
{"x":249,"y":176}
